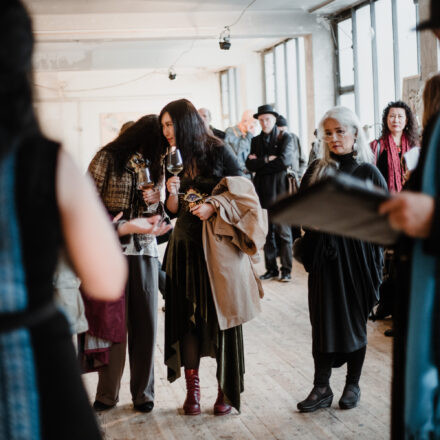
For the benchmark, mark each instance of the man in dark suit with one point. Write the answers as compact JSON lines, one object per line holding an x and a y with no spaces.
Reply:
{"x":271,"y":154}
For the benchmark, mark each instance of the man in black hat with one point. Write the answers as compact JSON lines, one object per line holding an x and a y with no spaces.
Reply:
{"x":416,"y":212}
{"x":271,"y":154}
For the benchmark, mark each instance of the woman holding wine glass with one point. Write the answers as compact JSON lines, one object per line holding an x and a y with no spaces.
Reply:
{"x":191,"y":324}
{"x":126,"y":173}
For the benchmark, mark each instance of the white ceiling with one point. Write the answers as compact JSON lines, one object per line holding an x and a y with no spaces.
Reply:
{"x":109,"y":6}
{"x":114,"y":34}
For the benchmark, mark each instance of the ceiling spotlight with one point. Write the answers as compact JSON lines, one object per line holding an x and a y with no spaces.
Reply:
{"x":171,"y":74}
{"x":225,"y":39}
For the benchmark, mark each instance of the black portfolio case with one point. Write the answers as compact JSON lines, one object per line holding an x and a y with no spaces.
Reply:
{"x":339,"y":204}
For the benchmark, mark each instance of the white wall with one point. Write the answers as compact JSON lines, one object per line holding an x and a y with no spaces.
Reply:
{"x":71,"y":105}
{"x":250,"y":83}
{"x":323,"y":72}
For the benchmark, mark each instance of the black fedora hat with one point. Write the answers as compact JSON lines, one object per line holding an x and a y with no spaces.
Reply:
{"x":264,"y":110}
{"x":434,"y":17}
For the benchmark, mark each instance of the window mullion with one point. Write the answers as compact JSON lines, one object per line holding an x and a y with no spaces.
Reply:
{"x":375,"y":68}
{"x":397,"y":85}
{"x":355,"y":61}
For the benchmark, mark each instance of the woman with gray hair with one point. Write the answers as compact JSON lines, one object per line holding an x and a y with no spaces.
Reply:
{"x":344,"y":273}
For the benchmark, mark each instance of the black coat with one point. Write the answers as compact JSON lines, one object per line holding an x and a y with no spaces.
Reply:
{"x":270,"y":177}
{"x":344,"y":277}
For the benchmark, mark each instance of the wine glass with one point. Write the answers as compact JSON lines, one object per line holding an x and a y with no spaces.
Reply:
{"x":146,"y":182}
{"x":174,"y":162}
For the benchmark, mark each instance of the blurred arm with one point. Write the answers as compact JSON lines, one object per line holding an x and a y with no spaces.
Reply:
{"x":89,"y":236}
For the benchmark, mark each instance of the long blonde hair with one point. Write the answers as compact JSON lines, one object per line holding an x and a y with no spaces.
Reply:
{"x":431,"y":98}
{"x":361,"y":149}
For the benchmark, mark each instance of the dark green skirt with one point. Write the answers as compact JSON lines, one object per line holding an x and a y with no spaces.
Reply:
{"x":189,"y":307}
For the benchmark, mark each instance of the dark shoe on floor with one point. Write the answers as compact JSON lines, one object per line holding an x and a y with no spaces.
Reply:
{"x":389,"y":332}
{"x":318,"y":398}
{"x":350,"y":397}
{"x":99,"y":406}
{"x":145,"y":407}
{"x":221,"y":408}
{"x":285,"y":277}
{"x":269,"y":275}
{"x":382,"y":311}
{"x":191,"y":406}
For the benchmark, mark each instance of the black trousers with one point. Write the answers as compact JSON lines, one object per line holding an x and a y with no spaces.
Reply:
{"x":141,"y":317}
{"x":324,"y":363}
{"x":284,"y":236}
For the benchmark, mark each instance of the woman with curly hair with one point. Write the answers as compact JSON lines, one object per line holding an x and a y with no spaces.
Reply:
{"x":116,"y":171}
{"x":399,"y":135}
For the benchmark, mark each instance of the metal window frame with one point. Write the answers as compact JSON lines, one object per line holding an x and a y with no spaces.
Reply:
{"x":351,"y":13}
{"x":264,"y":53}
{"x":396,"y":50}
{"x":298,"y":85}
{"x":374,"y":62}
{"x":233,"y":102}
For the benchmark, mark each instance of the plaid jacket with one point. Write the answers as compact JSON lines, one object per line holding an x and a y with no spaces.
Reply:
{"x":117,"y":192}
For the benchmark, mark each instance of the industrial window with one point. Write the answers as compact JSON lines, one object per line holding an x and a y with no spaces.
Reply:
{"x":376,"y":49}
{"x":229,"y":97}
{"x":285,"y":83}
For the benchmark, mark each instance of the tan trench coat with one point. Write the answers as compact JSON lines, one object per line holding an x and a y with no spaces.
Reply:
{"x":231,"y":238}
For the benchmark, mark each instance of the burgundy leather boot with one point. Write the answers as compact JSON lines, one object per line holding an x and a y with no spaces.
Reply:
{"x":192,"y":401}
{"x":221,"y":408}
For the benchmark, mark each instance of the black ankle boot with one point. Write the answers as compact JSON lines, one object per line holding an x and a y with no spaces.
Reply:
{"x":316,"y":399}
{"x":350,"y":397}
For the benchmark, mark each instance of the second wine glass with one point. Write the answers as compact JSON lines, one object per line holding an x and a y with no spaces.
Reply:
{"x":146,"y":182}
{"x":174,"y":162}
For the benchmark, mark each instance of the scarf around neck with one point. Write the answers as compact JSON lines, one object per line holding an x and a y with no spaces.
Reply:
{"x":396,"y":170}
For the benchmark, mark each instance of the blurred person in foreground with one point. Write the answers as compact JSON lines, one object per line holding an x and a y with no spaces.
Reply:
{"x":416,"y":212}
{"x":46,"y":203}
{"x":344,"y":273}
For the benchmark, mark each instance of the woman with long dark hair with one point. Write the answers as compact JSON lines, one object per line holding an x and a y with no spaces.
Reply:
{"x":46,"y":203}
{"x":191,"y":324}
{"x":399,"y":135}
{"x":116,"y":170}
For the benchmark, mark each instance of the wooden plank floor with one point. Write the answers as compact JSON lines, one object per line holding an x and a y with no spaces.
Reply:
{"x":279,"y":373}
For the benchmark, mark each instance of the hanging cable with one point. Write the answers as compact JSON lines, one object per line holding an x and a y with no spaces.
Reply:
{"x":111,"y":86}
{"x":241,"y":15}
{"x":225,"y":35}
